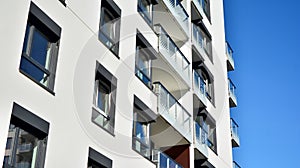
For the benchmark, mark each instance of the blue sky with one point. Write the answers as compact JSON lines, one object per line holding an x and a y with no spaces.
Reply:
{"x":265,"y":37}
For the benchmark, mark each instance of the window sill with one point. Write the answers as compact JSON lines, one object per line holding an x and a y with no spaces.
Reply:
{"x":99,"y":125}
{"x":37,"y":82}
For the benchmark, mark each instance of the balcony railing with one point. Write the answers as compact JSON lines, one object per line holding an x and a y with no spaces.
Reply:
{"x":232,"y":95}
{"x":235,"y":165}
{"x":199,"y":87}
{"x":178,"y":11}
{"x":172,"y":53}
{"x":201,"y":139}
{"x":234,"y":133}
{"x":201,"y":41}
{"x":171,"y":110}
{"x":229,"y":53}
{"x":203,"y":5}
{"x":164,"y":161}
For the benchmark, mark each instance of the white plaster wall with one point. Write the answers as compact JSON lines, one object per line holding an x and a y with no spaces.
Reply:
{"x":69,"y":111}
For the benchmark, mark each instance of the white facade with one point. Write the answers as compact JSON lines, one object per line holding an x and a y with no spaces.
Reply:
{"x":68,"y":110}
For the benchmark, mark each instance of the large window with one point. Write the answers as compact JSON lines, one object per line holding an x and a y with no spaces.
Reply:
{"x":104,"y":99}
{"x":206,"y":82}
{"x":145,"y":8}
{"x":26,"y":141}
{"x":109,"y":31}
{"x":97,"y":160}
{"x":143,"y":60}
{"x":40,"y":48}
{"x":208,"y":124}
{"x":142,"y":119}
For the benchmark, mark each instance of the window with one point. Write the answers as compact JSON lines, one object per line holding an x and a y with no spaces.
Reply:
{"x":40,"y":48}
{"x":143,"y":60}
{"x":206,"y":81}
{"x":104,"y":99}
{"x":145,"y":8}
{"x":206,"y":8}
{"x":208,"y":125}
{"x":97,"y":160}
{"x":203,"y":38}
{"x":109,"y":31}
{"x":27,"y":138}
{"x":142,"y":119}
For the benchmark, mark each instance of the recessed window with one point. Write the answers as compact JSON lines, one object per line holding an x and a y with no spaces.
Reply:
{"x":205,"y":81}
{"x":206,"y":8}
{"x":208,"y":124}
{"x":142,"y":119}
{"x":97,"y":160}
{"x":143,"y":60}
{"x":109,"y":31}
{"x":40,"y":48}
{"x":103,"y":112}
{"x":27,"y":139}
{"x":203,"y":38}
{"x":145,"y":8}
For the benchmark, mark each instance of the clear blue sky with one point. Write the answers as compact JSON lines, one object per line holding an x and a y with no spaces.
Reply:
{"x":265,"y":36}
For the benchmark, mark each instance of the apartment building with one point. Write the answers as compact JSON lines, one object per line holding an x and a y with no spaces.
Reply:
{"x":114,"y":83}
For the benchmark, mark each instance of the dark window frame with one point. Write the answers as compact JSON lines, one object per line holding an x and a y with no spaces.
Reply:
{"x":108,"y":117}
{"x":39,"y":22}
{"x":109,"y":7}
{"x":98,"y":159}
{"x":142,"y":45}
{"x":147,"y":116}
{"x":22,"y":119}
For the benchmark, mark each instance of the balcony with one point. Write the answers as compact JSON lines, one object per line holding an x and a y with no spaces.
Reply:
{"x":173,"y":112}
{"x":164,"y":161}
{"x":174,"y":18}
{"x":235,"y":165}
{"x":201,"y":139}
{"x":230,"y":61}
{"x":232,"y":96}
{"x":171,"y":67}
{"x":199,"y":87}
{"x":201,"y":42}
{"x":234,"y":133}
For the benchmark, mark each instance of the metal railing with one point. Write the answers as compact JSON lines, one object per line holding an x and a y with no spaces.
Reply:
{"x":164,"y":161}
{"x":201,"y":41}
{"x":178,"y":11}
{"x":172,"y":53}
{"x":171,"y":109}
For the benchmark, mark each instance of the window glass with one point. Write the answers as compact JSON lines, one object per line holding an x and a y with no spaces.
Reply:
{"x":143,"y":62}
{"x":39,"y":53}
{"x":103,"y":96}
{"x":109,"y":30}
{"x":24,"y":148}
